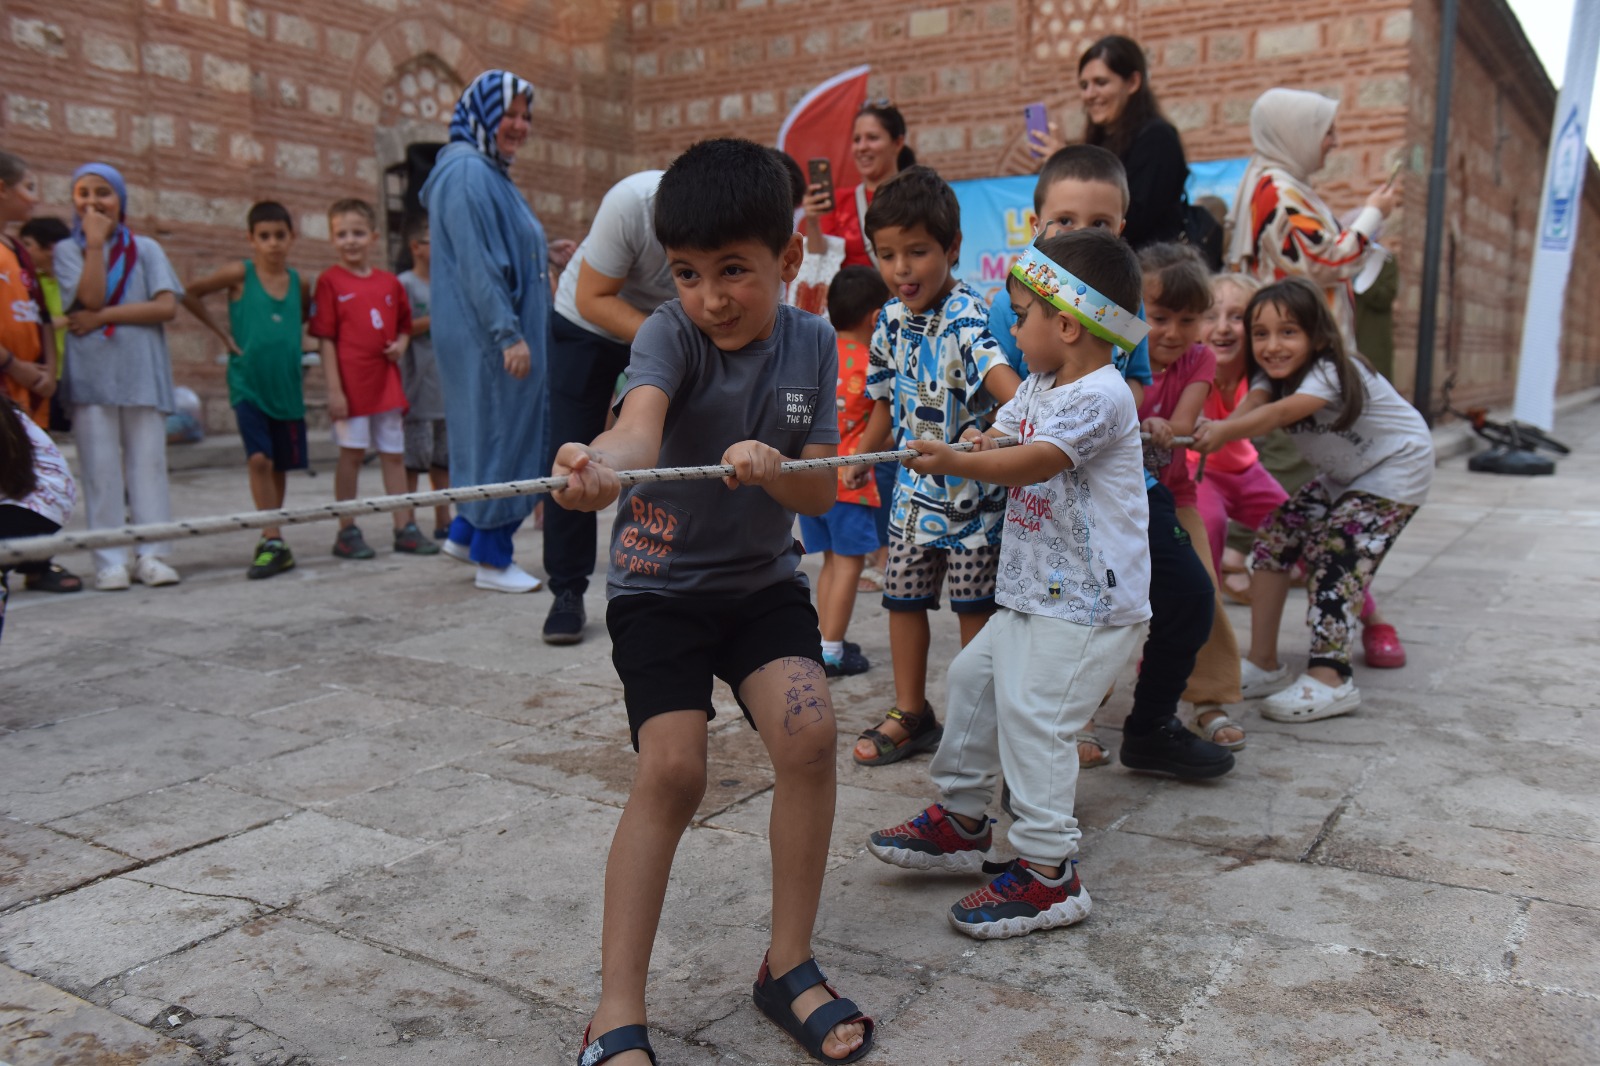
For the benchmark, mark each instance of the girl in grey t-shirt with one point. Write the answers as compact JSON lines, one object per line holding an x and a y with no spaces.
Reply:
{"x":119,"y":291}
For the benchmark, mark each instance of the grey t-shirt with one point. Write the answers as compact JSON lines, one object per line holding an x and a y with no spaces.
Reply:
{"x":697,"y":538}
{"x":1388,"y":452}
{"x":130,"y":368}
{"x":622,"y":244}
{"x":419,"y":372}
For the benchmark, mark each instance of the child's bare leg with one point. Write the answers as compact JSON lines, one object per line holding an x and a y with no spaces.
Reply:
{"x":1268,"y":591}
{"x":394,"y":483}
{"x":439,"y":477}
{"x":668,"y":784}
{"x":346,"y":476}
{"x":971,"y":622}
{"x":266,"y":490}
{"x":908,"y":648}
{"x":836,"y":593}
{"x":411,"y":480}
{"x":788,"y":698}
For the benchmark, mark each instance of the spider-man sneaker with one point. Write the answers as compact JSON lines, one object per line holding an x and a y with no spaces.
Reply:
{"x":933,"y":841}
{"x":1017,"y":902}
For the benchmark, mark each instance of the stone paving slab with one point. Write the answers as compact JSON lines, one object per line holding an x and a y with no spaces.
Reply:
{"x":44,"y":1026}
{"x":291,"y":822}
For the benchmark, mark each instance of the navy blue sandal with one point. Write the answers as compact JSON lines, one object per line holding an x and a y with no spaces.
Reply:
{"x":622,"y":1038}
{"x":775,"y":997}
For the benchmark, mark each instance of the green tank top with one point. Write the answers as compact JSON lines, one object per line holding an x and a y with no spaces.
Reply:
{"x":267,"y":373}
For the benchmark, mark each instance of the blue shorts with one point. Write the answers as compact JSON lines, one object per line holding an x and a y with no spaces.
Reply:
{"x":847,"y":529}
{"x":282,"y":442}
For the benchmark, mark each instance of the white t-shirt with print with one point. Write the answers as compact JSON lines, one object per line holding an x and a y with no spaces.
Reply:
{"x":1388,"y":452}
{"x":1077,"y":547}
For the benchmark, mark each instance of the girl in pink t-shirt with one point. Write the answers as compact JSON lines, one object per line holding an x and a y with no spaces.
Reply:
{"x":1177,"y":296}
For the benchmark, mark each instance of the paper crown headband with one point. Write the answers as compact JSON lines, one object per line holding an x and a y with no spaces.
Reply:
{"x":1061,"y":290}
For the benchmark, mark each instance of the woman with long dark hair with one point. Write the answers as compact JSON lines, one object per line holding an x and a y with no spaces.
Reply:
{"x":1124,"y":117}
{"x":878,"y":144}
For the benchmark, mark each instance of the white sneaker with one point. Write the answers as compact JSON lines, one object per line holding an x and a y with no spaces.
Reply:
{"x":151,"y":571}
{"x":457,"y":551}
{"x":112,"y":579}
{"x":1255,"y":682}
{"x":512,"y":579}
{"x":1308,"y":700}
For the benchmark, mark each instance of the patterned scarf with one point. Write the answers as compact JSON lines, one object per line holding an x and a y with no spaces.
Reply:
{"x":482,"y":106}
{"x":124,"y":253}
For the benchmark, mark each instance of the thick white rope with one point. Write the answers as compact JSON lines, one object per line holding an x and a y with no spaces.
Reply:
{"x":24,"y":549}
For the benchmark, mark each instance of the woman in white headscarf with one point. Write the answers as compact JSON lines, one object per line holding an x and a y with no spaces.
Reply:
{"x":1281,"y":227}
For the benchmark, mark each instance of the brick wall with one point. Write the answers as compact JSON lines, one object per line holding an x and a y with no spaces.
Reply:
{"x":209,"y":104}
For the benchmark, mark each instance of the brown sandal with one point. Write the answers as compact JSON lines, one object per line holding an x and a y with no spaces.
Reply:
{"x":923,"y":734}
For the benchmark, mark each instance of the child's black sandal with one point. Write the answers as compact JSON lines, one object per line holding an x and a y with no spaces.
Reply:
{"x":775,"y":996}
{"x":923,"y":733}
{"x":606,"y":1045}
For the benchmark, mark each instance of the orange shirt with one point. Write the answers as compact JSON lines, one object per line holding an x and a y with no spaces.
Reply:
{"x":855,"y":408}
{"x":1235,"y":456}
{"x":20,"y":334}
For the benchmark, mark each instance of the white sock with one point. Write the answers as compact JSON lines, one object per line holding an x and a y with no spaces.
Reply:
{"x":833,"y":650}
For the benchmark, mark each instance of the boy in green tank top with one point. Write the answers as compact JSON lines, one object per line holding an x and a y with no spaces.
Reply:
{"x":268,"y":304}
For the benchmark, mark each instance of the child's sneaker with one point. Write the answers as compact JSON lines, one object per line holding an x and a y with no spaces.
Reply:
{"x":1019,"y":902}
{"x":352,"y":545}
{"x":850,"y":663}
{"x":409,"y":540}
{"x":932,"y":841}
{"x":272,"y":557}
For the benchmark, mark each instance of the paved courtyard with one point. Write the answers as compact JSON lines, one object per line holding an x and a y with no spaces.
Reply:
{"x":358,"y":814}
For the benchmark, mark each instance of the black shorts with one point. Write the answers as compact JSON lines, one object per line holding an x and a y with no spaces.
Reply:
{"x":667,"y":649}
{"x":282,"y":442}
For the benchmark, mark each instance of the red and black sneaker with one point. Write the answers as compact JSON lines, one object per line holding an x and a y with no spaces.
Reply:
{"x":1017,"y":902}
{"x":932,"y":841}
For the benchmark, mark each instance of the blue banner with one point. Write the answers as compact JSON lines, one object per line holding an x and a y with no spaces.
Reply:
{"x":997,"y":217}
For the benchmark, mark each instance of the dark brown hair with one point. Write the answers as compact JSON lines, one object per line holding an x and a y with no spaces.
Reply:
{"x":855,"y":296}
{"x":1178,"y":269}
{"x":917,"y":196}
{"x":1125,"y":59}
{"x":1301,"y":301}
{"x":1080,"y":162}
{"x":17,"y":476}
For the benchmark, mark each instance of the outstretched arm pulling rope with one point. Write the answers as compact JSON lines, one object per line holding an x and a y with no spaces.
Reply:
{"x":25,"y":549}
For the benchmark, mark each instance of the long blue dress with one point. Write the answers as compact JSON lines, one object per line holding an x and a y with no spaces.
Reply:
{"x":491,"y":288}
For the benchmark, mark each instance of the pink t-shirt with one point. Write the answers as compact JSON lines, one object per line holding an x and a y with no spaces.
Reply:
{"x":1236,"y":456}
{"x":1199,"y":363}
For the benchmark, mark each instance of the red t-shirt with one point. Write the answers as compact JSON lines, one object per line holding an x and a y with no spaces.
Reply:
{"x":362,"y":316}
{"x":1199,"y":363}
{"x":855,"y":408}
{"x":844,"y":221}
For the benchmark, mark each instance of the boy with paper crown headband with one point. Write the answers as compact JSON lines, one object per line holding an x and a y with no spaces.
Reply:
{"x":1072,"y":589}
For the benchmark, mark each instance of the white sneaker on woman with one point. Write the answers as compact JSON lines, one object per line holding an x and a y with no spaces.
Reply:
{"x":512,"y":579}
{"x":151,"y":571}
{"x":112,"y":579}
{"x":1309,"y":700}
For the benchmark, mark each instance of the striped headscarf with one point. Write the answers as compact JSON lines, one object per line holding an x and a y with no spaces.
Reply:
{"x":124,"y":253}
{"x":481,"y":107}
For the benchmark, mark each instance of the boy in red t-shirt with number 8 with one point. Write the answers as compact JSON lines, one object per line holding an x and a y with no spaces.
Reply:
{"x":363,"y":320}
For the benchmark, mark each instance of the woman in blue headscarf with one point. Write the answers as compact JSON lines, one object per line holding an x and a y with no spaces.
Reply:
{"x":490,"y":321}
{"x":119,"y":291}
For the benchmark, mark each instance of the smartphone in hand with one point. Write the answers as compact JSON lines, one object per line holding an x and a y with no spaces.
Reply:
{"x":820,"y":172}
{"x":1033,"y":115}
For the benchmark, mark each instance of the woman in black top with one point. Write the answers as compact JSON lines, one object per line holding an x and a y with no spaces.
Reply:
{"x":1125,"y":118}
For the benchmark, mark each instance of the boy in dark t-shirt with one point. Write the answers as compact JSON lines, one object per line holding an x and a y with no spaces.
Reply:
{"x":704,"y":581}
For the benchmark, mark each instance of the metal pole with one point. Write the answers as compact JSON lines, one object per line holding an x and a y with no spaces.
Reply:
{"x":1427,"y":319}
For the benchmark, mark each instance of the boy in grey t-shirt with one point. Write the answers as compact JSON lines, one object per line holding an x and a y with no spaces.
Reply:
{"x":704,"y":581}
{"x":427,"y":446}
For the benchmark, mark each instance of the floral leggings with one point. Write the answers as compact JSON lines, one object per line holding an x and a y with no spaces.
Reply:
{"x":1341,"y":542}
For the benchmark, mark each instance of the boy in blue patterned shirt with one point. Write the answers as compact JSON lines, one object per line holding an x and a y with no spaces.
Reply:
{"x":935,"y":373}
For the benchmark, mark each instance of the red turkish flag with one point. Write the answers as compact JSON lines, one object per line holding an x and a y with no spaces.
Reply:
{"x":820,"y":125}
